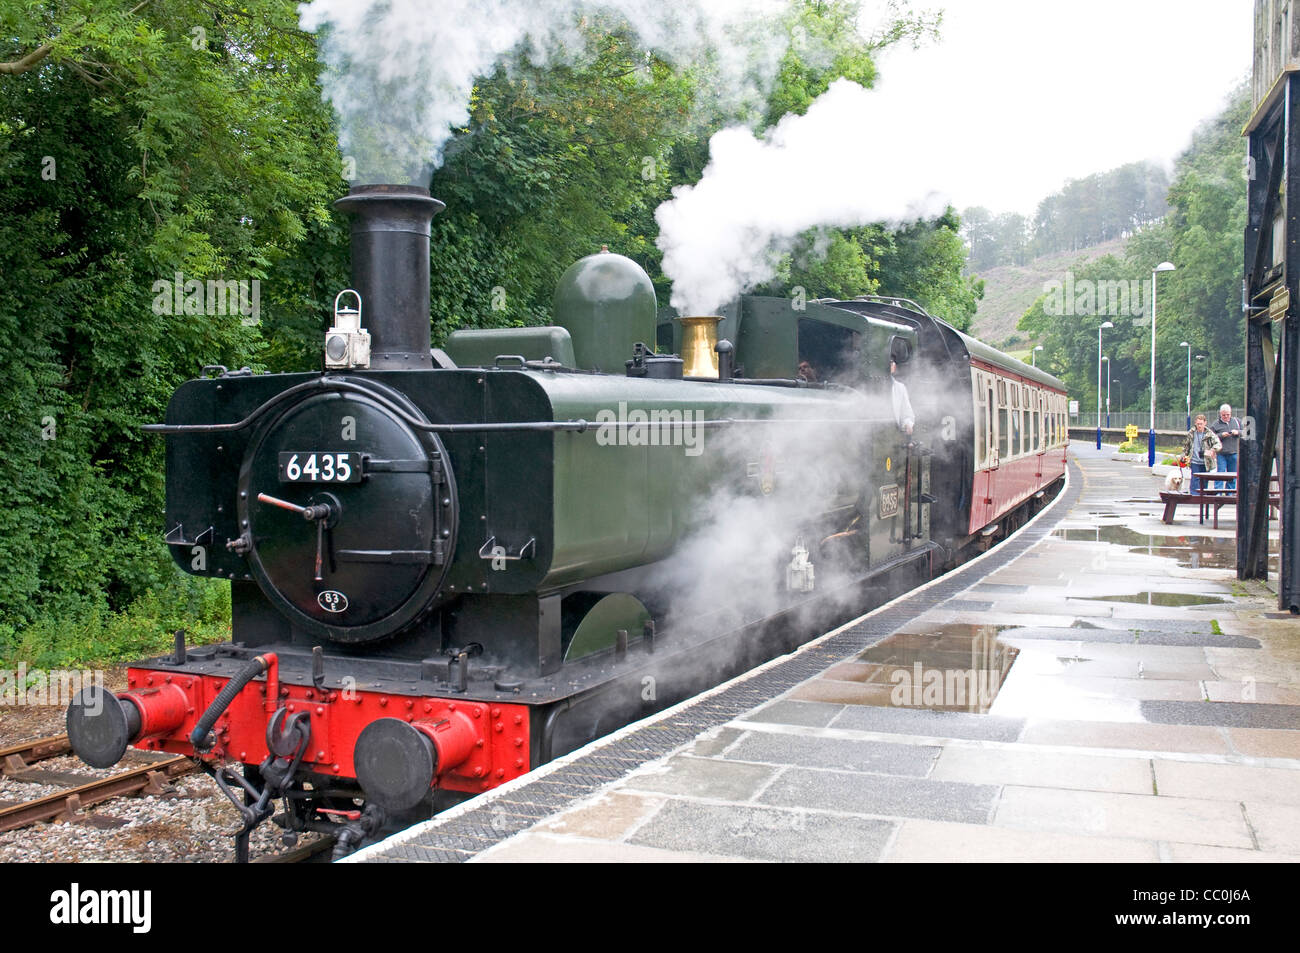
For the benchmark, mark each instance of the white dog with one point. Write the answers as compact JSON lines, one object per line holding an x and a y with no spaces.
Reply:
{"x":1174,"y":482}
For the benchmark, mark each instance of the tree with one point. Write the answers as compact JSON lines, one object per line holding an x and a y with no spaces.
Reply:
{"x":134,"y":144}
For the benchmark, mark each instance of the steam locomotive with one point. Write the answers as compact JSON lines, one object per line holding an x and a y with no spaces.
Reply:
{"x":448,"y":566}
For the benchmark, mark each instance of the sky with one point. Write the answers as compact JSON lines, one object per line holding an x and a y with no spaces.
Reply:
{"x":1018,"y":96}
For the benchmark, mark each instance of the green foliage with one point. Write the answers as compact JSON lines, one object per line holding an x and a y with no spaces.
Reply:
{"x":1199,"y":302}
{"x":1066,"y":323}
{"x":96,"y":636}
{"x":922,"y":261}
{"x":132,"y":151}
{"x":1085,"y":212}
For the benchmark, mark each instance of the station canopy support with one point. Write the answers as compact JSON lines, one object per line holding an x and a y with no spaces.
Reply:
{"x":1271,"y":299}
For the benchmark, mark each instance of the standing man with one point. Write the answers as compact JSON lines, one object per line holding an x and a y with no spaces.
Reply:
{"x":903,"y":414}
{"x":1228,"y":429}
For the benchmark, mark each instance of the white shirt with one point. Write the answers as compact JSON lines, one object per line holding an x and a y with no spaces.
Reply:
{"x":902,"y":406}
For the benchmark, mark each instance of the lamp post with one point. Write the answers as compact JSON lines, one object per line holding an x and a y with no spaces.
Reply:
{"x":1189,"y":383}
{"x":1151,"y":434}
{"x":1105,"y":325}
{"x":1107,"y":360}
{"x":1116,"y":380}
{"x":1199,"y":357}
{"x":1033,"y":355}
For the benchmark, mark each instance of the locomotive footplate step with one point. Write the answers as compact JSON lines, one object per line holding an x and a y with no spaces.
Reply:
{"x":1020,"y":708}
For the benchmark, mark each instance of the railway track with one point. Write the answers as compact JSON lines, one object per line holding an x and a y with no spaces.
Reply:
{"x":316,"y":852}
{"x":16,"y":763}
{"x":18,"y":758}
{"x":20,"y":762}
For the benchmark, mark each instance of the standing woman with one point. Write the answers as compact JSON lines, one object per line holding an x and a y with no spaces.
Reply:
{"x":1201,"y":445}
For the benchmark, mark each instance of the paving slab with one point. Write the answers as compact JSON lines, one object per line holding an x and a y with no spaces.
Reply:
{"x":1030,"y":767}
{"x":537,"y":848}
{"x":928,"y":842}
{"x":765,"y":833}
{"x":1144,"y":737}
{"x":1201,"y":854}
{"x":1228,"y":714}
{"x":882,"y":795}
{"x":929,"y":724}
{"x":1249,"y":691}
{"x":1143,"y":816}
{"x":1228,"y":782}
{"x":611,"y":816}
{"x":1276,"y":827}
{"x":796,"y":713}
{"x":837,"y":753}
{"x":705,"y":777}
{"x":1265,"y":742}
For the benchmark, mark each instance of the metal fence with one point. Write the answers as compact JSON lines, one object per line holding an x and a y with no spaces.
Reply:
{"x":1142,"y":419}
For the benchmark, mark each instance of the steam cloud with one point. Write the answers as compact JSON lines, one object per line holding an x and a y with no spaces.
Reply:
{"x":400,"y":73}
{"x":729,"y":570}
{"x":832,"y":166}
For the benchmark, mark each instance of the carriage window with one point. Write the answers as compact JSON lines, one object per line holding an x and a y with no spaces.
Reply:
{"x":990,"y":423}
{"x":1038,"y":421}
{"x":1004,"y":422}
{"x":1013,"y":420}
{"x":981,"y":419}
{"x":989,"y":430}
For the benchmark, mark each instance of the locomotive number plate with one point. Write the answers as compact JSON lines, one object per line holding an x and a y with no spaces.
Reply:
{"x":312,"y":466}
{"x":889,"y":501}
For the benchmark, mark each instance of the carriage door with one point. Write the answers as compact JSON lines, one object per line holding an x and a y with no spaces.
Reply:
{"x":1040,"y":424}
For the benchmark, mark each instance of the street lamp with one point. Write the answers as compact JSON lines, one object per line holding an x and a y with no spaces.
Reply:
{"x":1105,"y":325}
{"x":1189,"y":383}
{"x":1200,"y":357}
{"x":1107,"y":360}
{"x":1033,"y":355}
{"x":1151,"y":435}
{"x":1116,"y":380}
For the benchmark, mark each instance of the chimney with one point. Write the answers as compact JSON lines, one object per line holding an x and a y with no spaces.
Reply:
{"x":390,"y":268}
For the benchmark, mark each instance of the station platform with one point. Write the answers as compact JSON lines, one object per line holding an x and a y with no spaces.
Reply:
{"x":1100,"y":687}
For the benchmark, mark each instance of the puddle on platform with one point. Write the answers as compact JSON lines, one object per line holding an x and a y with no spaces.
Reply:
{"x":1161,"y":598}
{"x":956,"y":667}
{"x":1192,"y":552}
{"x":1202,"y":554}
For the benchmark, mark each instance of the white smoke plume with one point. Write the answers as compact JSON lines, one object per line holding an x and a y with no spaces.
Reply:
{"x":831,"y":166}
{"x":400,"y":73}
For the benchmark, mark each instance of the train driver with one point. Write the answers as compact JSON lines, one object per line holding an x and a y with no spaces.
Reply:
{"x":903,"y":413}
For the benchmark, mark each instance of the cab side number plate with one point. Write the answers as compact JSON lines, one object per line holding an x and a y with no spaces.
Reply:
{"x":312,"y":466}
{"x":889,"y":501}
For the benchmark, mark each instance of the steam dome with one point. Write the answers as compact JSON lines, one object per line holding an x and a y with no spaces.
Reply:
{"x":607,"y":303}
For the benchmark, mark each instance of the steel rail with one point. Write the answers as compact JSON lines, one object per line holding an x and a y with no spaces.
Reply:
{"x":19,"y":757}
{"x":67,"y":803}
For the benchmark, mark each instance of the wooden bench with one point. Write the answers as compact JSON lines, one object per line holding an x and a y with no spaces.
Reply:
{"x":1208,"y":498}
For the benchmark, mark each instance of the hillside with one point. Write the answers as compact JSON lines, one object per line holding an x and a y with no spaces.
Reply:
{"x":1009,"y":290}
